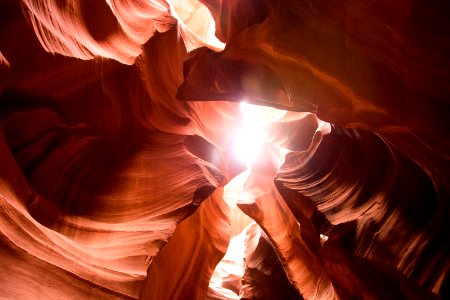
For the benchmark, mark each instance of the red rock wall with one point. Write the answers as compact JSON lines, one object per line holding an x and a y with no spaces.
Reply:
{"x":115,"y":146}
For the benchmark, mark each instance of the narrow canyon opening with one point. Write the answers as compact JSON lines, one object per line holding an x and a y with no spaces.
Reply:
{"x":224,"y":149}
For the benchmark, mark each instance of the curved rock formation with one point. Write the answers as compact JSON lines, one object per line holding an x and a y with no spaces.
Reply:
{"x":120,"y":125}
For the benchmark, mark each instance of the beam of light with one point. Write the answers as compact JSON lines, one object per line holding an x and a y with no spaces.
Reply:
{"x":252,"y":135}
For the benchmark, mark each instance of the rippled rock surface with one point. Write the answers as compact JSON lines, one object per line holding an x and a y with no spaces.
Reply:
{"x":119,"y":124}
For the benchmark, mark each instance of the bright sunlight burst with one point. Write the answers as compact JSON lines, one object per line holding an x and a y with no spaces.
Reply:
{"x":252,"y":136}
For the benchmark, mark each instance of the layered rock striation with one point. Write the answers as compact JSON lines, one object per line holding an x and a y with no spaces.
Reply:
{"x":119,"y":122}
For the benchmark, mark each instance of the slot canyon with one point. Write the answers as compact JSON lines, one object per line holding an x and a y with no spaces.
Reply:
{"x":224,"y":149}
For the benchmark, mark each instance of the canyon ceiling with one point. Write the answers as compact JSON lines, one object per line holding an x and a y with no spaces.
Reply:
{"x":120,"y":131}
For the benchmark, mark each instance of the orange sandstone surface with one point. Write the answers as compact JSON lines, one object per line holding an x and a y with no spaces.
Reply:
{"x":224,"y":149}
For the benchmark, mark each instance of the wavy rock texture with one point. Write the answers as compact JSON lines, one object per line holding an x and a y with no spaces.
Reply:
{"x":393,"y":208}
{"x":264,"y":277}
{"x":118,"y":121}
{"x":196,"y":247}
{"x":269,"y":210}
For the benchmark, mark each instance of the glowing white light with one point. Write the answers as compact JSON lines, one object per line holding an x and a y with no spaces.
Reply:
{"x":324,"y":237}
{"x":248,"y":144}
{"x":252,"y":136}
